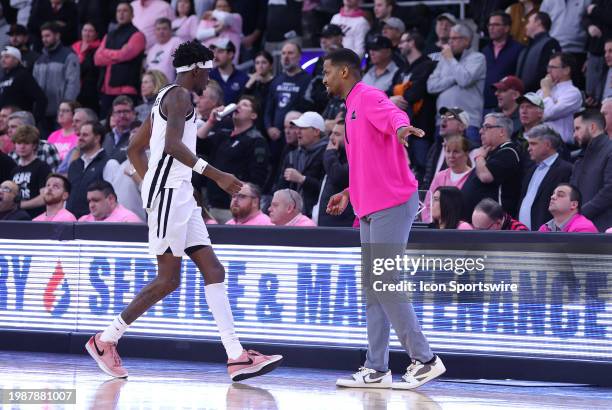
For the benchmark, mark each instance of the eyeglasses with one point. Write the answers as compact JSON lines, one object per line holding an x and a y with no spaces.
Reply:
{"x":489,"y":126}
{"x":448,"y":117}
{"x":455,"y":38}
{"x":242,"y":196}
{"x":122,"y":112}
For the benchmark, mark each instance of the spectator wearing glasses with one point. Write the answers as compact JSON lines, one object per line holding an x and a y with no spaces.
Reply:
{"x":104,"y":207}
{"x":116,"y":141}
{"x":489,"y":215}
{"x":65,"y":138}
{"x":286,"y":209}
{"x":10,"y":198}
{"x":246,"y":207}
{"x":453,"y":122}
{"x":459,"y":77}
{"x":501,"y":55}
{"x":565,"y":206}
{"x":497,"y":171}
{"x":57,"y":191}
{"x":561,"y":98}
{"x":447,"y":209}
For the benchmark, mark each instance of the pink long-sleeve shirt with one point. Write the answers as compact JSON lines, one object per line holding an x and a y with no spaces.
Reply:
{"x":107,"y":57}
{"x":379,"y":171}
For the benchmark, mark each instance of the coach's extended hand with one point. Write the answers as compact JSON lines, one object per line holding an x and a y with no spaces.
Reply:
{"x":404,"y":132}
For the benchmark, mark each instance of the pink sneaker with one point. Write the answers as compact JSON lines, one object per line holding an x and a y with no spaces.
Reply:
{"x":105,"y":354}
{"x":252,"y":364}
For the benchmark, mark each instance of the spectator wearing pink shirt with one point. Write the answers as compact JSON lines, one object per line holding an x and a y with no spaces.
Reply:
{"x":146,"y":14}
{"x":246,"y":209}
{"x":221,"y":23}
{"x":65,"y":138}
{"x":457,"y":156}
{"x":185,"y":25}
{"x":6,"y":144}
{"x":565,"y":204}
{"x":57,"y":191}
{"x":447,"y":209}
{"x":159,"y":56}
{"x":286,"y":209}
{"x":103,"y":205}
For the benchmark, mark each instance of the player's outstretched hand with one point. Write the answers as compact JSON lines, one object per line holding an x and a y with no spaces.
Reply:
{"x":229,"y":183}
{"x":338,"y":203}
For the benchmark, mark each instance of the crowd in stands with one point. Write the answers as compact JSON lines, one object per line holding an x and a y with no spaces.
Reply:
{"x":515,"y":100}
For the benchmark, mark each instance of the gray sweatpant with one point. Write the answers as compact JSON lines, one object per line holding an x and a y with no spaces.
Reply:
{"x":390,"y":229}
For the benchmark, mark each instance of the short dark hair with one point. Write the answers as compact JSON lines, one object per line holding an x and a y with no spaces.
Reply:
{"x":544,"y":19}
{"x":191,"y":52}
{"x":609,"y":40}
{"x":451,"y":206}
{"x":491,"y":208}
{"x":506,"y":19}
{"x":345,"y":57}
{"x":11,"y":107}
{"x":567,"y":60}
{"x":163,"y":20}
{"x":123,"y":100}
{"x":96,"y":128}
{"x":253,"y":101}
{"x":103,"y":186}
{"x":341,"y":122}
{"x":575,"y":194}
{"x":592,"y":116}
{"x":26,"y":134}
{"x":67,"y":184}
{"x":51,"y":26}
{"x":418,"y":39}
{"x":127,"y":3}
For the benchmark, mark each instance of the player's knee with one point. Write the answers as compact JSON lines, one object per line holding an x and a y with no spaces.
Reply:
{"x":216,"y":274}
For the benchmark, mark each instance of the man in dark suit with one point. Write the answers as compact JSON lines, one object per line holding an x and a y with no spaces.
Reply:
{"x":593,"y":169}
{"x":541,"y":178}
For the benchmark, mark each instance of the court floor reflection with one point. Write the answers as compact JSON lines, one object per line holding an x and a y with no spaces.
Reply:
{"x":163,"y":384}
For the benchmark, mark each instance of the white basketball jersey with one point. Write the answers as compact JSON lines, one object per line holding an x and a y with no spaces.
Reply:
{"x":165,"y":171}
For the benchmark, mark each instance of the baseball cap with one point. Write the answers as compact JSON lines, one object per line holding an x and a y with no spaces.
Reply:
{"x":17,"y":29}
{"x":510,"y":82}
{"x":310,"y":119}
{"x":331,"y":30}
{"x":531,"y":98}
{"x":12,"y":51}
{"x":396,"y":23}
{"x":447,"y":16}
{"x":457,"y":113}
{"x":224,"y":44}
{"x":379,"y":43}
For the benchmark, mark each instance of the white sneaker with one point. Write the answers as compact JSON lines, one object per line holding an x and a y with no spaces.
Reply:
{"x":368,"y":378}
{"x":419,"y":373}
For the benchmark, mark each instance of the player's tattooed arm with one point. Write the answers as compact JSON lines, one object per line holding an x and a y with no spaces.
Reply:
{"x":138,"y":147}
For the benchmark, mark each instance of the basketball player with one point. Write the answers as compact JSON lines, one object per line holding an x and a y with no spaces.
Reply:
{"x":383,"y":192}
{"x":175,"y":221}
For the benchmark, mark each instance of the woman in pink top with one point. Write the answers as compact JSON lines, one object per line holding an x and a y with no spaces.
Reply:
{"x":383,"y":192}
{"x":447,"y":209}
{"x":457,"y":150}
{"x":65,"y":138}
{"x":221,"y":23}
{"x":185,"y":25}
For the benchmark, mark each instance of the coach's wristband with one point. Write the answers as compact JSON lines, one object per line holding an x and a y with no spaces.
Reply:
{"x":200,"y":166}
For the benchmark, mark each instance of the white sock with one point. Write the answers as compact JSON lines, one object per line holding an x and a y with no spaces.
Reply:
{"x":216,"y":297}
{"x":114,"y":331}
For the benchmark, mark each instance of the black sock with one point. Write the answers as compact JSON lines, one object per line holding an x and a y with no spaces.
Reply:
{"x":431,"y":361}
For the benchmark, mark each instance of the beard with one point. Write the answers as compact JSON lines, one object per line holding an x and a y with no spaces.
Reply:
{"x":239,"y":213}
{"x":52,"y":200}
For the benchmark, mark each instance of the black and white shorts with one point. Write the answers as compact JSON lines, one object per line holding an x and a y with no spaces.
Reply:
{"x":175,"y":221}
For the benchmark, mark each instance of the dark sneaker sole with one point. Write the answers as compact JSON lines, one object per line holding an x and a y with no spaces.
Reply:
{"x":264,"y":370}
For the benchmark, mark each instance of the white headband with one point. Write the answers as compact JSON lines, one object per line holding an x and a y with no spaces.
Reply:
{"x":185,"y":68}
